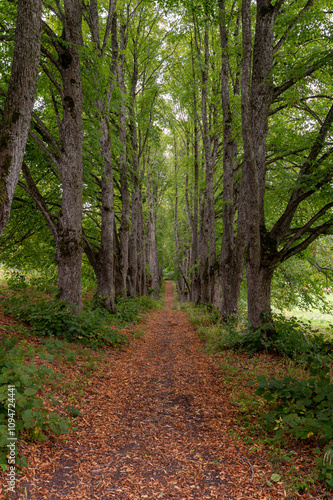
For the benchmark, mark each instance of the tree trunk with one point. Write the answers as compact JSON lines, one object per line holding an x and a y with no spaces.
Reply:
{"x":133,"y":241}
{"x":203,"y":256}
{"x":256,"y":99}
{"x":16,"y":117}
{"x":69,"y":243}
{"x":153,"y":259}
{"x":259,"y":298}
{"x":232,"y":249}
{"x":125,"y":196}
{"x":105,"y":269}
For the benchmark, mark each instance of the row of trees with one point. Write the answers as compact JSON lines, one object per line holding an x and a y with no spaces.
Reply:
{"x":226,"y":104}
{"x":253,"y":145}
{"x":92,"y":165}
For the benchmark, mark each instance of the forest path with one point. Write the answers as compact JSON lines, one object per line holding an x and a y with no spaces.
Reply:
{"x":158,"y":427}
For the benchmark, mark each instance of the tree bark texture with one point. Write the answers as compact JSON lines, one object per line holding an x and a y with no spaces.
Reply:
{"x":125,"y":195}
{"x":232,"y":249}
{"x":15,"y":122}
{"x":153,"y":257}
{"x":69,"y":244}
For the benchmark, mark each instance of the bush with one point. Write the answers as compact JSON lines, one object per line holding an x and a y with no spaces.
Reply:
{"x":128,"y":310}
{"x":55,"y":318}
{"x":293,"y":339}
{"x":303,"y":408}
{"x":16,"y":280}
{"x":31,"y":420}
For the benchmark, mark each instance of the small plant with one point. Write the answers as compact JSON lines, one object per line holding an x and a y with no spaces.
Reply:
{"x":128,"y":310}
{"x":325,"y":465}
{"x":31,"y":419}
{"x":303,"y":408}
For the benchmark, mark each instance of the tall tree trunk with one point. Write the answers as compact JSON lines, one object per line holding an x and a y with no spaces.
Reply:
{"x":195,"y":236}
{"x":16,"y":117}
{"x":134,"y":240}
{"x":125,"y":195}
{"x":153,"y":258}
{"x":105,"y":268}
{"x":203,"y":256}
{"x":232,"y":249}
{"x":257,"y":91}
{"x":210,"y":152}
{"x":69,"y":243}
{"x":105,"y":258}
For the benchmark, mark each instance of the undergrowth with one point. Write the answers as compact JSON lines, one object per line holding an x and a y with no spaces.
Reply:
{"x":94,"y":326}
{"x":293,"y":389}
{"x":54,"y":318}
{"x":21,"y":410}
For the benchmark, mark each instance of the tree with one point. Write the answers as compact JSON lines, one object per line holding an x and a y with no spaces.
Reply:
{"x":268,"y":248}
{"x":20,"y":98}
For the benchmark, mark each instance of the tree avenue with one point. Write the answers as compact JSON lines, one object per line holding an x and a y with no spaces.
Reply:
{"x":186,"y":137}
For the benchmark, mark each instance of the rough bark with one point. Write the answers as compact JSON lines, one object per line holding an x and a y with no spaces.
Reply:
{"x":104,"y":262}
{"x":257,"y":97}
{"x":153,"y":258}
{"x":125,"y":195}
{"x":207,"y":231}
{"x":16,"y":117}
{"x":232,"y":249}
{"x":69,"y":243}
{"x":133,"y":276}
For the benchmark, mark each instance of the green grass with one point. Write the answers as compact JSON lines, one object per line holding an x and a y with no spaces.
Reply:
{"x":317,"y":318}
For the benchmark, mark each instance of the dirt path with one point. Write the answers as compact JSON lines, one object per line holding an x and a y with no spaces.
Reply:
{"x":158,"y":427}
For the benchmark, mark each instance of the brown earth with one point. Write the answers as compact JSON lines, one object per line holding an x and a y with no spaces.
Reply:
{"x":157,"y":425}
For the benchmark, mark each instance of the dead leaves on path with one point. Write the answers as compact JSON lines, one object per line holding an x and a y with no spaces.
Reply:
{"x":155,"y":424}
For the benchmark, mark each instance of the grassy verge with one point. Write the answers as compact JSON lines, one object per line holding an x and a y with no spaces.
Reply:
{"x":281,"y":394}
{"x":317,"y":318}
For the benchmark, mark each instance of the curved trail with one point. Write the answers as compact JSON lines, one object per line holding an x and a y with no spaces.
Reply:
{"x":157,"y":427}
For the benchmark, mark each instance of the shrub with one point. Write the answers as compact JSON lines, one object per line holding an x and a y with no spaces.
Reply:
{"x":293,"y":339}
{"x":16,"y":280}
{"x":31,"y":419}
{"x":55,"y":318}
{"x":128,"y":310}
{"x":303,"y":408}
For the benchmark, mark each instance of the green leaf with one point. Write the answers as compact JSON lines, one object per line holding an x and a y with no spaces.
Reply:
{"x":30,"y":391}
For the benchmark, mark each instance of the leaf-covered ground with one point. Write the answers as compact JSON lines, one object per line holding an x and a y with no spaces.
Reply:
{"x":156,"y":422}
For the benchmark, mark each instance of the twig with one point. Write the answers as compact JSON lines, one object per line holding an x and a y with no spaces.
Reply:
{"x":246,"y":460}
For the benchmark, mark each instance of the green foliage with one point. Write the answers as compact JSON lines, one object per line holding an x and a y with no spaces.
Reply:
{"x":303,"y":408}
{"x":16,"y":280}
{"x":128,"y":310}
{"x":298,"y":282}
{"x":326,"y":466}
{"x":292,"y":338}
{"x":31,"y":419}
{"x":55,"y":318}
